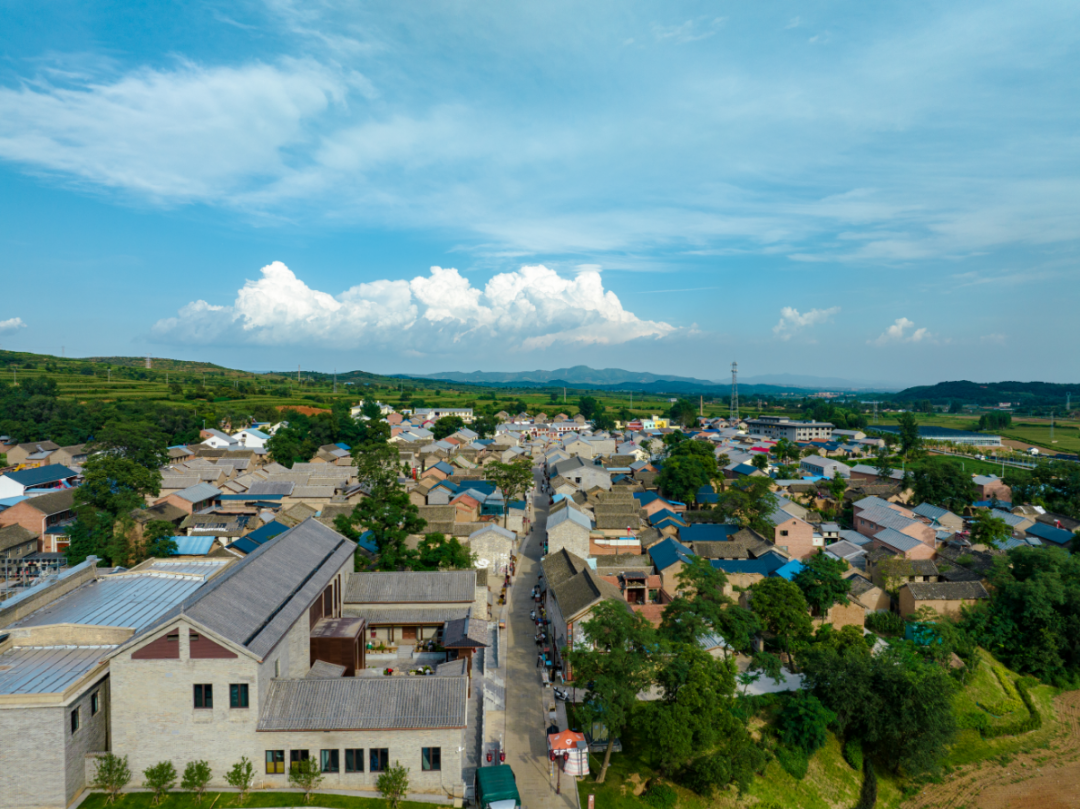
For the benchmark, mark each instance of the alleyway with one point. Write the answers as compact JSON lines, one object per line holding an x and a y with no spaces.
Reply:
{"x":526,"y":699}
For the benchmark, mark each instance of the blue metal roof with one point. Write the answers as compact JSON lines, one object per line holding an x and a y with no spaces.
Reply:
{"x":1059,"y":536}
{"x":991,"y":504}
{"x":666,"y":553}
{"x":244,"y":545}
{"x":765,"y":565}
{"x":41,"y":475}
{"x":664,"y":515}
{"x":269,"y":498}
{"x":707,"y":532}
{"x":367,"y":542}
{"x":444,"y":467}
{"x":646,"y":497}
{"x":267,"y":532}
{"x":193,"y":546}
{"x":790,"y":570}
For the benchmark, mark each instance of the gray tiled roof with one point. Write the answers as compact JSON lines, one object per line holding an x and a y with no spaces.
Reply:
{"x":390,"y":616}
{"x":887,"y":518}
{"x":412,"y":587}
{"x":365,"y":703}
{"x":199,"y":492}
{"x":258,"y":599}
{"x":321,"y":670}
{"x":467,"y":632}
{"x":947,"y":590}
{"x":894,"y":539}
{"x":282,"y":487}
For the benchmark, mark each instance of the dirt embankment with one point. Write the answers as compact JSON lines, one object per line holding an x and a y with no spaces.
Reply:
{"x":1042,"y":779}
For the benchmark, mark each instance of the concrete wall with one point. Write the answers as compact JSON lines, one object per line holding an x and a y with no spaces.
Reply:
{"x":495,"y":548}
{"x":799,"y":541}
{"x":32,"y":757}
{"x":949,"y":608}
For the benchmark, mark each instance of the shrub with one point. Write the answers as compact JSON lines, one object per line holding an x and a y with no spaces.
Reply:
{"x":306,"y":775}
{"x":196,"y":777}
{"x":112,"y":775}
{"x":660,"y":796}
{"x":794,"y":760}
{"x":394,"y":784}
{"x":241,"y":777}
{"x":706,"y":774}
{"x":804,"y":723}
{"x":159,"y":779}
{"x":853,"y":754}
{"x":1010,"y":702}
{"x":885,"y":623}
{"x":973,"y":720}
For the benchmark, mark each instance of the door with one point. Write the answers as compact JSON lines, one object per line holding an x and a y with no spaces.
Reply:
{"x":408,"y":633}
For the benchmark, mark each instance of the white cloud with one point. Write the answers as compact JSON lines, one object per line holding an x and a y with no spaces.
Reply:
{"x":792,"y":321}
{"x":689,"y":31}
{"x":531,"y":308}
{"x":182,"y":134}
{"x":994,"y":339}
{"x":11,"y":324}
{"x":903,"y":331}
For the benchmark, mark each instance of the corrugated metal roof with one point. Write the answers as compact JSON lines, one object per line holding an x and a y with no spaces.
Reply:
{"x":46,"y":669}
{"x":199,"y":492}
{"x":193,"y":546}
{"x":887,"y":518}
{"x":40,"y":475}
{"x":201,"y":567}
{"x":278,"y":487}
{"x":321,"y":670}
{"x":411,"y":587}
{"x":896,"y":540}
{"x":365,"y":703}
{"x":134,"y":600}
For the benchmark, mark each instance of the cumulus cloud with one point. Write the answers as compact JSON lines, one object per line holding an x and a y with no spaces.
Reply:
{"x":903,"y":331}
{"x":531,"y":308}
{"x":792,"y":321}
{"x":11,"y":324}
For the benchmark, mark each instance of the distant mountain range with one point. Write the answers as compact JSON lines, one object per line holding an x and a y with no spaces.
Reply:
{"x":614,"y":378}
{"x":1018,"y":394}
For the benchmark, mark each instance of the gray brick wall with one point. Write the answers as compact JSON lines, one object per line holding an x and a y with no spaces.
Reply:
{"x":32,"y":749}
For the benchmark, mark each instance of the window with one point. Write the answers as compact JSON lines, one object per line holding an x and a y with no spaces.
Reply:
{"x":95,"y":703}
{"x":204,"y":696}
{"x":378,"y":758}
{"x":354,"y":760}
{"x":430,"y":758}
{"x":783,"y":533}
{"x":74,"y":720}
{"x":238,"y":695}
{"x":275,"y":762}
{"x":296,"y":756}
{"x":277,"y":668}
{"x":328,"y":761}
{"x":173,"y":637}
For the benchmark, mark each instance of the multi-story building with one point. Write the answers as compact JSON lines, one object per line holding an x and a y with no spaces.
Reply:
{"x":778,"y":427}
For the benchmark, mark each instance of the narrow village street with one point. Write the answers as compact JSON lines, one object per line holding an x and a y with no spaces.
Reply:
{"x":526,"y":698}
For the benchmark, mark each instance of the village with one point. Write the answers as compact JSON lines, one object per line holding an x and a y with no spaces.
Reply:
{"x":434,"y":602}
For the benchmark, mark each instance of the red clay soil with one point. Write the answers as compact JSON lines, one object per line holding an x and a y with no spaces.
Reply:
{"x":1024,"y":783}
{"x":303,"y":409}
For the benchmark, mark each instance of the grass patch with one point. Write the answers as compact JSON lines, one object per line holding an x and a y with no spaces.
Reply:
{"x":183,"y":800}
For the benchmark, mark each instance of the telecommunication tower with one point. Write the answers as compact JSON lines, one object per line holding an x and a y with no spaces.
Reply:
{"x":734,"y":416}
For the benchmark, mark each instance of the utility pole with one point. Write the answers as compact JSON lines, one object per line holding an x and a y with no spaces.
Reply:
{"x":297,"y":373}
{"x":335,"y":380}
{"x":734,"y":414}
{"x":564,"y":395}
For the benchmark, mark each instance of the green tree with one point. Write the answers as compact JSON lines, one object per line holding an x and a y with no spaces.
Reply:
{"x":782,"y":610}
{"x":111,"y":775}
{"x":909,"y":433}
{"x":945,"y":485}
{"x":439,"y":552}
{"x":689,"y":465}
{"x":137,"y":441}
{"x":513,"y":479}
{"x":683,"y":413}
{"x":986,"y":529}
{"x":197,"y":776}
{"x":393,"y":784}
{"x":883,"y":462}
{"x":241,"y":777}
{"x":615,"y":663}
{"x":115,"y":484}
{"x":159,"y":779}
{"x":804,"y":723}
{"x":447,"y":425}
{"x":700,"y":608}
{"x":837,"y":487}
{"x":371,"y":409}
{"x":603,"y":423}
{"x":159,"y":540}
{"x":822,"y":582}
{"x":750,"y":502}
{"x":590,"y":407}
{"x":376,"y":461}
{"x":392,"y":518}
{"x":760,"y":461}
{"x":307,"y":776}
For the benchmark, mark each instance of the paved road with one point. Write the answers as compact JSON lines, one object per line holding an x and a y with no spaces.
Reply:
{"x":526,"y":723}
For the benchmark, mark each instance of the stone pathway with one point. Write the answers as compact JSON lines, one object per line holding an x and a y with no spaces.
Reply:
{"x":525,"y":721}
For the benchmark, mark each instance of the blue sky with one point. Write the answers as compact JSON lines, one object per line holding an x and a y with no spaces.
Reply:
{"x":885,"y":191}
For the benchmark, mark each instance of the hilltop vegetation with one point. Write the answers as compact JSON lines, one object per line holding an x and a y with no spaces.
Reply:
{"x":1023,"y":394}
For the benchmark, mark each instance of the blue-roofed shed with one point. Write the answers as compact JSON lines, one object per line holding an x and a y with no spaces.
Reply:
{"x":664,"y":516}
{"x":666,"y":553}
{"x":706,"y":495}
{"x":367,"y":543}
{"x":444,"y":467}
{"x":644,"y":498}
{"x":267,"y":532}
{"x":345,"y":447}
{"x":790,"y":570}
